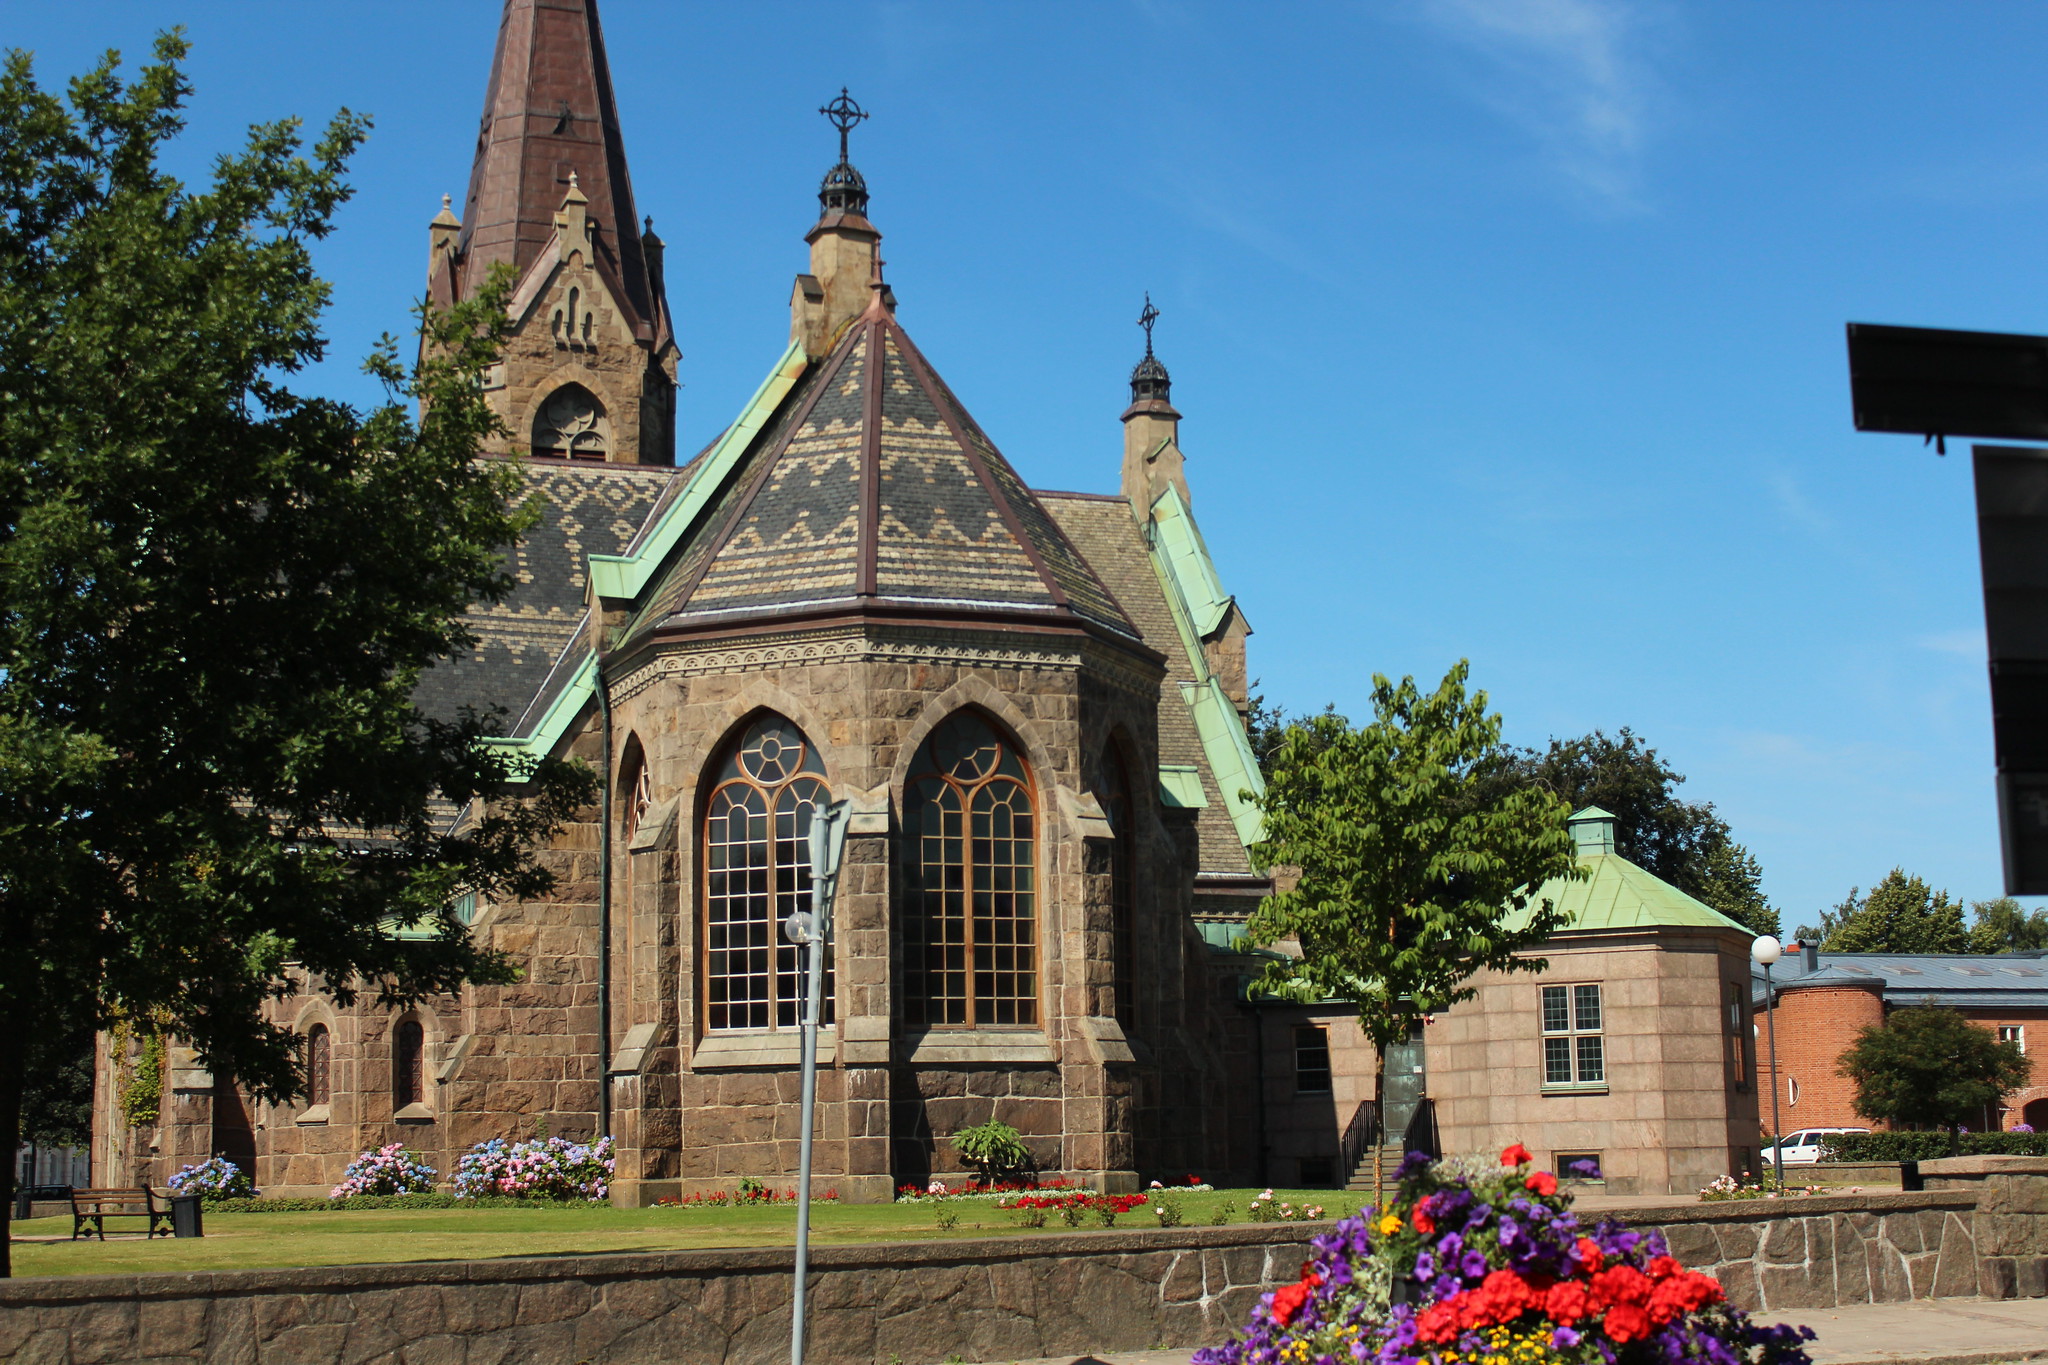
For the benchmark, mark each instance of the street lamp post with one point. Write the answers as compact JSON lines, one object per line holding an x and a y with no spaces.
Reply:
{"x":1764,"y":952}
{"x":814,"y":932}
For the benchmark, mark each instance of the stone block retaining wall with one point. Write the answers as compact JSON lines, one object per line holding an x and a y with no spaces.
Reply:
{"x":985,"y":1299}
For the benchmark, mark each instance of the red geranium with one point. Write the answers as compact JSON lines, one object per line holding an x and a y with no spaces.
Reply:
{"x":1620,"y":1284}
{"x":1288,"y":1301}
{"x":1625,"y":1323}
{"x":1590,"y":1255}
{"x":1543,"y":1182}
{"x":1567,"y":1301}
{"x":1515,"y":1155}
{"x":1423,"y":1222}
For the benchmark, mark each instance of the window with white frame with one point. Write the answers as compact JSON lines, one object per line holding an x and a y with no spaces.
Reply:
{"x":2013,"y":1033}
{"x":1574,"y":1050}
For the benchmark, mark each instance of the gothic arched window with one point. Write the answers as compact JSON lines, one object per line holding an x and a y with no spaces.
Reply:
{"x":970,"y":923}
{"x":408,"y":1064}
{"x":757,"y":871}
{"x":571,"y":423}
{"x":1123,"y":884}
{"x":319,"y":1065}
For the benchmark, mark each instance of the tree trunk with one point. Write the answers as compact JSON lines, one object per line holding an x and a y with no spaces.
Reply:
{"x":1379,"y":1117}
{"x":12,"y":1075}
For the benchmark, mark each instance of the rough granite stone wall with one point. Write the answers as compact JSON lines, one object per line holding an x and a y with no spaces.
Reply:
{"x":985,"y":1299}
{"x":978,"y":1300}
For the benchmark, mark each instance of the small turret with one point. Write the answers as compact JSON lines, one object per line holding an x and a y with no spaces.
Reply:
{"x":1152,"y":458}
{"x":844,"y":247}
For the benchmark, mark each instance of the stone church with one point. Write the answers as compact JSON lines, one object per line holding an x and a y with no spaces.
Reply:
{"x":1033,"y":700}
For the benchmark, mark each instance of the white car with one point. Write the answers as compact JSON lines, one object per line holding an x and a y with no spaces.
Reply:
{"x":1803,"y":1147}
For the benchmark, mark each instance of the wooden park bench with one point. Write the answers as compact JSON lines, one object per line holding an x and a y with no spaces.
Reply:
{"x":91,"y":1208}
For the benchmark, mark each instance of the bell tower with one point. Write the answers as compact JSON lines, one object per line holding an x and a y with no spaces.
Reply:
{"x":589,"y":370}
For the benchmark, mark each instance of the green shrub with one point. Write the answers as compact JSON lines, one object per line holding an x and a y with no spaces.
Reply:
{"x":1928,"y":1146}
{"x":995,"y":1147}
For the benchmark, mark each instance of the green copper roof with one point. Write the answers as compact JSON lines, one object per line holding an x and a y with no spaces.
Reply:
{"x":1617,"y":894}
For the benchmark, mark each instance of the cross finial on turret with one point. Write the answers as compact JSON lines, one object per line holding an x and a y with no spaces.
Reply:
{"x":843,"y":113}
{"x":1145,"y":320}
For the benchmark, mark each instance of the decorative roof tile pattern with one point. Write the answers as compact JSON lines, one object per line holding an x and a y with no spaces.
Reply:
{"x":872,"y":483}
{"x":587,"y":508}
{"x":1102,"y":530}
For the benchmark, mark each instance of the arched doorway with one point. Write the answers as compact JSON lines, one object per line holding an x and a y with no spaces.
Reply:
{"x":2035,"y":1114}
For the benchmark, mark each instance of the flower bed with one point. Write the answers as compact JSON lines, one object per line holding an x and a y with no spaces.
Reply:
{"x":751,"y":1191}
{"x":214,"y":1179}
{"x":1728,"y":1187}
{"x":938,"y":1189}
{"x":1479,"y":1265}
{"x":550,"y":1168}
{"x":386,"y":1171}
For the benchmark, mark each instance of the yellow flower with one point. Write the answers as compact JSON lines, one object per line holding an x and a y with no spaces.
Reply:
{"x":1390,"y":1225}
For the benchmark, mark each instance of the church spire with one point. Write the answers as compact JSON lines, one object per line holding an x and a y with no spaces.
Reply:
{"x":549,"y":116}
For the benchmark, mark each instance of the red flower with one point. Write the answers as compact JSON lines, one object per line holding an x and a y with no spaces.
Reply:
{"x":1664,"y":1267}
{"x":1516,"y":1155}
{"x":1620,"y":1284}
{"x":1625,"y":1323}
{"x":1423,"y":1222}
{"x":1288,"y":1301}
{"x":1590,"y":1255}
{"x":1543,"y":1182}
{"x":1506,"y":1296}
{"x":1566,"y":1301}
{"x":1438,"y":1322}
{"x":1682,"y":1293}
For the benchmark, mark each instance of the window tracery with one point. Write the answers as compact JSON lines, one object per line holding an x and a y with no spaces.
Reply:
{"x":757,"y":866}
{"x":572,"y":424}
{"x":970,"y":927}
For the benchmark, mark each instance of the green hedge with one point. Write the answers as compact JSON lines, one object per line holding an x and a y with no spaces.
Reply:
{"x":395,"y":1201}
{"x":1927,"y":1146}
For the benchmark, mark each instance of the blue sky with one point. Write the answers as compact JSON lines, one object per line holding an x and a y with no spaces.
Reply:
{"x":1508,"y":330}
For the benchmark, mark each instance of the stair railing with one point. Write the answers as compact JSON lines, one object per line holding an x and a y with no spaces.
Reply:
{"x":1361,"y":1135}
{"x":1420,"y":1135}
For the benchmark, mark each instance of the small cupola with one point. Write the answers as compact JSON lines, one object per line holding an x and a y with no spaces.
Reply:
{"x":1152,"y":458}
{"x":844,"y":247}
{"x":1593,"y":831}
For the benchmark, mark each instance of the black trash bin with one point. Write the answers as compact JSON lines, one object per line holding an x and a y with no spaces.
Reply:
{"x":185,"y":1216}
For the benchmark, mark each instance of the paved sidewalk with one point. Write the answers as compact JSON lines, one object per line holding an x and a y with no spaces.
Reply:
{"x":1930,"y":1332}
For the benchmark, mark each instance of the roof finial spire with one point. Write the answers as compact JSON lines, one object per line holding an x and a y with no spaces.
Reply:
{"x":844,"y":113}
{"x":1149,"y":379}
{"x":844,"y":191}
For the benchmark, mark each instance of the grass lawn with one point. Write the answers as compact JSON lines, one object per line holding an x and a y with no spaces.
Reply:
{"x":246,"y":1241}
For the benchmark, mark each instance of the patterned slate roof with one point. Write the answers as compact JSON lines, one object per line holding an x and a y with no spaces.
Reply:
{"x":1103,"y":530}
{"x":872,"y":482}
{"x":587,"y":508}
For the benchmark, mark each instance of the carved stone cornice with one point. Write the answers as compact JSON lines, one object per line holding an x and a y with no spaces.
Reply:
{"x":965,"y":648}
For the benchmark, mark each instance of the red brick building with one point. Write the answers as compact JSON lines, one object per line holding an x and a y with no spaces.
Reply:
{"x":1824,"y":999}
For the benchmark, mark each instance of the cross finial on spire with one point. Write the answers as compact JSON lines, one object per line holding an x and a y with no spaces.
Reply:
{"x":843,"y":113}
{"x":1146,"y":319}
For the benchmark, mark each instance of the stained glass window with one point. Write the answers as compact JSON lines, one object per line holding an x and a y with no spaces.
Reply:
{"x":757,"y":872}
{"x":970,"y":926}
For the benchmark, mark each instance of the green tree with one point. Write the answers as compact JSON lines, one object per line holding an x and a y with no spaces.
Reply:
{"x":217,"y":596}
{"x":1928,"y":1067}
{"x":2004,"y":926}
{"x":56,"y":1101}
{"x":1408,"y":879}
{"x":1684,"y":842}
{"x":1900,"y":915}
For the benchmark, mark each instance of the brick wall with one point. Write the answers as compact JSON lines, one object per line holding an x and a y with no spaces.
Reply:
{"x":1815,"y":1025}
